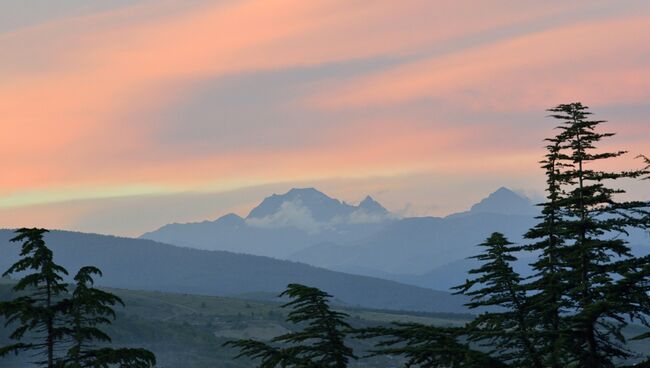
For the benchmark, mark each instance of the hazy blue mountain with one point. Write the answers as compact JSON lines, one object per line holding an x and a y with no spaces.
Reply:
{"x":232,"y":233}
{"x":432,"y":252}
{"x":308,"y":226}
{"x":505,"y":202}
{"x":281,"y":225}
{"x":305,"y":225}
{"x":415,"y":245}
{"x":321,"y":207}
{"x":369,"y":205}
{"x":147,"y":265}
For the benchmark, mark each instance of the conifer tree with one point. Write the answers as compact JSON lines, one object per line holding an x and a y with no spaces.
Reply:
{"x":320,"y":344}
{"x":39,"y":311}
{"x":605,"y":281}
{"x":426,"y":346}
{"x":88,"y":308}
{"x":645,"y":263}
{"x":586,"y":285}
{"x":546,"y":289}
{"x":54,"y":319}
{"x":509,"y":332}
{"x":647,"y":168}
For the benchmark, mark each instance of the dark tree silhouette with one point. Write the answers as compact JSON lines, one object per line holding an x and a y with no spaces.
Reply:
{"x":39,"y":310}
{"x":586,"y":286}
{"x":647,"y":168}
{"x":320,"y":344}
{"x":55,"y":319}
{"x":605,"y":281}
{"x":87,"y":309}
{"x":549,"y":282}
{"x":427,"y":346}
{"x":509,"y":332}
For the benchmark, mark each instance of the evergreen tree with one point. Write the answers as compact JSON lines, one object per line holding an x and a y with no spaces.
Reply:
{"x":647,"y":168}
{"x":586,"y":285}
{"x":87,"y":309}
{"x":509,"y":332}
{"x":320,"y":344}
{"x":546,"y":289}
{"x":44,"y":309}
{"x":605,"y":281}
{"x":39,"y":310}
{"x":428,"y":346}
{"x":646,"y":160}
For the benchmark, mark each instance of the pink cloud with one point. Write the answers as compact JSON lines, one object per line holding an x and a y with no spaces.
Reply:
{"x":70,"y":89}
{"x":603,"y":62}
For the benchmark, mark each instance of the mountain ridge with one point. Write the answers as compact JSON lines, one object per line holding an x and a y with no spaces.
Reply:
{"x":370,"y":242}
{"x":505,"y":201}
{"x":141,"y":264}
{"x":289,"y":222}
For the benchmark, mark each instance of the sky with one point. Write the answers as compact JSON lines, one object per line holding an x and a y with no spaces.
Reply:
{"x":119,"y":116}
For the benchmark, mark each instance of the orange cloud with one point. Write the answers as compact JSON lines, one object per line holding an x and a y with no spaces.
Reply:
{"x":71,"y":85}
{"x":79,"y":97}
{"x":603,"y":62}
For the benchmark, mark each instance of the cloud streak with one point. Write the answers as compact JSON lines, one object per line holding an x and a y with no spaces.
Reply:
{"x":176,"y":96}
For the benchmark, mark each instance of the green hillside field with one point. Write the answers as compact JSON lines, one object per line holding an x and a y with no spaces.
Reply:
{"x":185,"y":330}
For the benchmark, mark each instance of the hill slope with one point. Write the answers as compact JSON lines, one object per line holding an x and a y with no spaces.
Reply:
{"x":188,"y":331}
{"x":147,"y":265}
{"x":416,"y":245}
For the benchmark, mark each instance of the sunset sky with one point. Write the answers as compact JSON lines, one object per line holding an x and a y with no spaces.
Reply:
{"x":119,"y":116}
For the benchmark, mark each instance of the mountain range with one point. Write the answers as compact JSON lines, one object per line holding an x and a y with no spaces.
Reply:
{"x":281,"y":225}
{"x":362,"y":254}
{"x":307,"y":226}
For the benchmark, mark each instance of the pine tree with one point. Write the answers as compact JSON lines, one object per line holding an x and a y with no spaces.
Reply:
{"x":320,"y":344}
{"x":546,"y":289}
{"x":644,"y":263}
{"x":38,"y":311}
{"x":87,"y":309}
{"x":604,"y":279}
{"x":647,"y":168}
{"x":586,"y":285}
{"x":55,"y":319}
{"x":426,"y":346}
{"x":509,"y":331}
